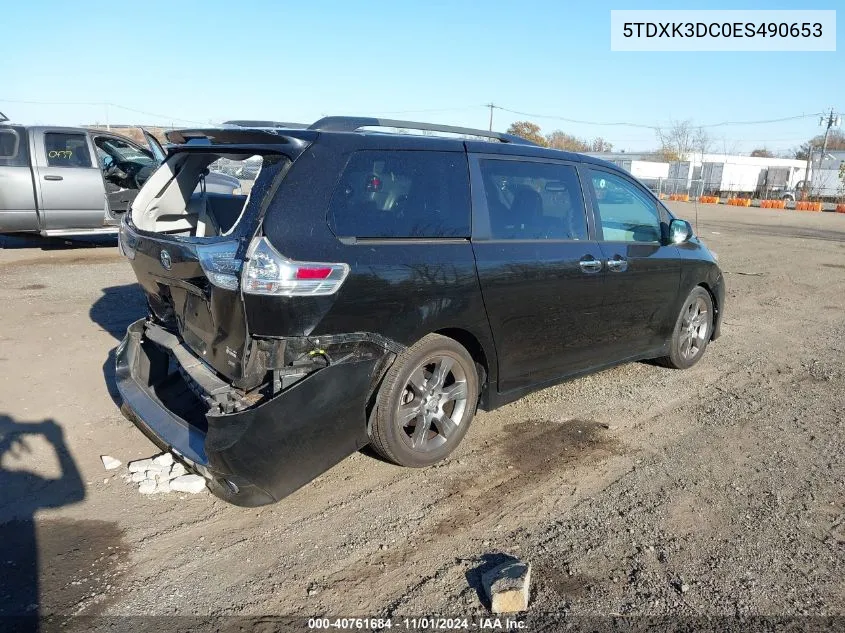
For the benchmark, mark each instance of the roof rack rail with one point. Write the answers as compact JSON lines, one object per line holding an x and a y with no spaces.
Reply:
{"x":352,"y":124}
{"x":267,"y":124}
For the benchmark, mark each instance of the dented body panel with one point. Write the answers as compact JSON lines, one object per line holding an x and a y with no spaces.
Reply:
{"x":275,"y":443}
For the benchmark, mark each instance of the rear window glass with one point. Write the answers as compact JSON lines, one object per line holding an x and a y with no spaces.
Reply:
{"x":402,"y":194}
{"x":66,"y":150}
{"x":8,"y":143}
{"x":244,"y":168}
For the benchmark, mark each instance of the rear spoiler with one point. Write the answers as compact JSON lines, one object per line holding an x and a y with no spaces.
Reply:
{"x":241,"y":136}
{"x":268,"y":124}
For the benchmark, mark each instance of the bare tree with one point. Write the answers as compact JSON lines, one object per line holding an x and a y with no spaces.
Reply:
{"x":702,"y":142}
{"x":729,"y":147}
{"x":762,"y":153}
{"x":677,"y":141}
{"x":601,"y":145}
{"x":835,"y":141}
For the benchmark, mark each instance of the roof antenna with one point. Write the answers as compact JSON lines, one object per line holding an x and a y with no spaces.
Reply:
{"x":3,"y":118}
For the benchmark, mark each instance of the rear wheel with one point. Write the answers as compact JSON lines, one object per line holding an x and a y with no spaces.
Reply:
{"x":426,"y":402}
{"x":692,"y":331}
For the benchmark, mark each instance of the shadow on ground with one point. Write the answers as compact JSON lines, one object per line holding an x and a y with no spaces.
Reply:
{"x":474,"y":576}
{"x":25,"y":493}
{"x":114,"y":311}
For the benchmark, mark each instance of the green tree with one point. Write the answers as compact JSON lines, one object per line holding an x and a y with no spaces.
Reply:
{"x":561,"y":140}
{"x":527,"y":130}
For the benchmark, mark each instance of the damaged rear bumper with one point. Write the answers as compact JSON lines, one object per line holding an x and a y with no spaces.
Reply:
{"x":256,"y":455}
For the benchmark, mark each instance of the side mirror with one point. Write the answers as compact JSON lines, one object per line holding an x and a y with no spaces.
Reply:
{"x":680,"y":231}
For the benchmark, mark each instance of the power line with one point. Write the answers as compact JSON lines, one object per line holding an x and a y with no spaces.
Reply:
{"x":88,"y":103}
{"x":161,"y":116}
{"x":568,"y":120}
{"x":781,"y":120}
{"x":456,"y":109}
{"x":104,"y":104}
{"x":491,"y":106}
{"x":647,"y":126}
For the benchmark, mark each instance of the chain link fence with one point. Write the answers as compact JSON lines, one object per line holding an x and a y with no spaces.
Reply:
{"x":674,"y":186}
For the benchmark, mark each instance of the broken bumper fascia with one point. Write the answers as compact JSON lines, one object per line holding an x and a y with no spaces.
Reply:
{"x":261,"y":454}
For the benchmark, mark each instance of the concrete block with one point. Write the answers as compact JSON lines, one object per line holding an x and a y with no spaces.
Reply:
{"x":508,"y":586}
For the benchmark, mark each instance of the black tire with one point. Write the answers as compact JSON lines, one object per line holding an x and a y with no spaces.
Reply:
{"x":412,"y":422}
{"x":689,"y":341}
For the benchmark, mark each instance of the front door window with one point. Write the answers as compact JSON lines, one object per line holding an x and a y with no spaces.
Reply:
{"x":626,"y":214}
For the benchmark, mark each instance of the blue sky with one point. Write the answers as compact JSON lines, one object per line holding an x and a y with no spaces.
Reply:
{"x":207,"y":62}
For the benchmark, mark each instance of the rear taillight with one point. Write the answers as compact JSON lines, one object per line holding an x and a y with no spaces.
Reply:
{"x":220,"y":264}
{"x":127,"y":242}
{"x":268,"y":272}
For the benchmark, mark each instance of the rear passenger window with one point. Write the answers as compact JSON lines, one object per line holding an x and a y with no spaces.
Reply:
{"x":402,"y":194}
{"x":66,"y":150}
{"x":8,"y":143}
{"x":533,"y":201}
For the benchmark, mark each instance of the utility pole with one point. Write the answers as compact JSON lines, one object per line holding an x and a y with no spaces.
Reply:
{"x":807,"y":170}
{"x":108,"y":124}
{"x":491,"y":106}
{"x":832,"y":119}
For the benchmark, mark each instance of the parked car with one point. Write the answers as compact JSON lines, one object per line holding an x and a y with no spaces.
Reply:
{"x":68,"y":181}
{"x":380,"y":287}
{"x":788,"y":195}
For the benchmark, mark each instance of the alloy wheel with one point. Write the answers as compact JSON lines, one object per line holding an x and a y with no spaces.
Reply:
{"x":695,"y":326}
{"x":433,"y":403}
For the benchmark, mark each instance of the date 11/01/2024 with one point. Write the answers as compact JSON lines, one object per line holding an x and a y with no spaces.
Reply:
{"x":417,"y":624}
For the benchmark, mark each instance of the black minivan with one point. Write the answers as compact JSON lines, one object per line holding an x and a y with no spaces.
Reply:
{"x":376,"y":286}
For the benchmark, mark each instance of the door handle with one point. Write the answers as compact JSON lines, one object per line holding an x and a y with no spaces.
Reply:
{"x":590,"y":265}
{"x":52,"y":177}
{"x":617,"y":264}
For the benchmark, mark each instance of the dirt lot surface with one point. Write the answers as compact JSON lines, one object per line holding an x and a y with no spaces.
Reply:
{"x":639,"y":490}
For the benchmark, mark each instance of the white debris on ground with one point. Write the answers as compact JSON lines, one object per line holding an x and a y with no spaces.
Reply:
{"x":109,"y":462}
{"x":162,"y":474}
{"x":188,"y":483}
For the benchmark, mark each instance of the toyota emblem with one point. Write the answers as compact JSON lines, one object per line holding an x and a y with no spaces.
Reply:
{"x":164,"y":256}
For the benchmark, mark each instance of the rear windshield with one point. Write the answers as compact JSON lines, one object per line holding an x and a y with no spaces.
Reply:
{"x":402,"y":194}
{"x":202,"y":193}
{"x":242,"y":168}
{"x":13,"y":148}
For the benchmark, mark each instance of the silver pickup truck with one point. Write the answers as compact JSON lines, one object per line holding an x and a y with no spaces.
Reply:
{"x":76,"y":181}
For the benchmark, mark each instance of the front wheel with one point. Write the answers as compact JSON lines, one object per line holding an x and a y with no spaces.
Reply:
{"x":692,"y":332}
{"x":426,"y":402}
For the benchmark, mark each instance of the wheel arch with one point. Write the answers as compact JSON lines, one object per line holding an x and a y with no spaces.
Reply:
{"x":716,"y":307}
{"x":476,"y":350}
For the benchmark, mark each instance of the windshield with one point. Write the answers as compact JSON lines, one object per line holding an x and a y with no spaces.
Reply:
{"x":121,"y":151}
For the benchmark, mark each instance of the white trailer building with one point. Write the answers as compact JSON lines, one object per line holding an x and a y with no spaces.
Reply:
{"x":722,"y":174}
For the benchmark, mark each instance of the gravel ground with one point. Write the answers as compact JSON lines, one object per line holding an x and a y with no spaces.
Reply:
{"x":637,"y":491}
